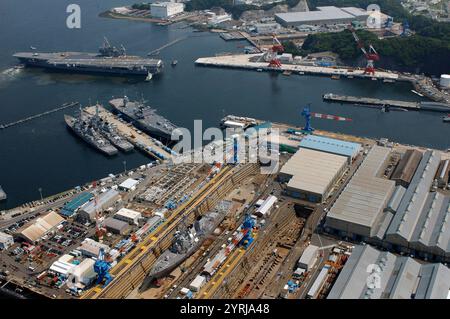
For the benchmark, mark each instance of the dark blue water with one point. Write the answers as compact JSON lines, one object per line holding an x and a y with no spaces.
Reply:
{"x":42,"y":153}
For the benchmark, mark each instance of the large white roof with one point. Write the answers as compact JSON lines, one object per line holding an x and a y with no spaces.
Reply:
{"x":313,"y":171}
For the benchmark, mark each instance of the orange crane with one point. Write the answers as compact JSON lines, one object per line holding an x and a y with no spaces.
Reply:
{"x":371,"y":54}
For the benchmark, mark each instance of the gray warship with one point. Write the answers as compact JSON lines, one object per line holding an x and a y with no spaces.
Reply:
{"x":108,"y":131}
{"x":144,"y":117}
{"x":109,"y":60}
{"x":89,"y":134}
{"x":185,"y":243}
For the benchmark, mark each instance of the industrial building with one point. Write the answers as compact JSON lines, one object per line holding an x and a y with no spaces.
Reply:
{"x":116,"y":226}
{"x":266,"y":206}
{"x":128,"y":215}
{"x":129,"y":184}
{"x":91,"y":248}
{"x":164,"y":10}
{"x":406,"y":168}
{"x":359,"y":210}
{"x":442,"y":176}
{"x":308,"y":258}
{"x":33,"y":232}
{"x":445,"y":81}
{"x":331,"y":145}
{"x":6,"y":241}
{"x":421,"y":221}
{"x":373,"y":274}
{"x":71,"y":207}
{"x":82,"y":274}
{"x":89,"y":211}
{"x":310,"y":175}
{"x":323,"y":16}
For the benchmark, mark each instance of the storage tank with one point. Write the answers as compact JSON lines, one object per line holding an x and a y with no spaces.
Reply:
{"x":445,"y":81}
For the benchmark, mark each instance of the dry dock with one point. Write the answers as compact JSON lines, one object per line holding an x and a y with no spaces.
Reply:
{"x":140,"y":140}
{"x":244,"y":61}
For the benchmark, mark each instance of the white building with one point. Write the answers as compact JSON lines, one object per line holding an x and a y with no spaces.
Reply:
{"x":128,"y":215}
{"x":217,"y":19}
{"x":91,"y":248}
{"x":129,"y":184}
{"x":267,"y":27}
{"x":445,"y":81}
{"x":164,"y":10}
{"x":266,"y":206}
{"x":308,"y":258}
{"x":5,"y":241}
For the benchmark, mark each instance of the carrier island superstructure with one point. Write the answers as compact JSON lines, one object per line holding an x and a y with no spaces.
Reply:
{"x":109,"y":60}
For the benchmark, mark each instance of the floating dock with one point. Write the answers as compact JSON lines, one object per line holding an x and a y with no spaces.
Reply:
{"x":380,"y":103}
{"x":245,"y":61}
{"x":141,"y":141}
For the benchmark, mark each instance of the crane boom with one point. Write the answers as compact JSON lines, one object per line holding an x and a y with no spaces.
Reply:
{"x":371,"y":55}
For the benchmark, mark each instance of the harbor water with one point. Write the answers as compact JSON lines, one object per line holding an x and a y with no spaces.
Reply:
{"x":43,"y":154}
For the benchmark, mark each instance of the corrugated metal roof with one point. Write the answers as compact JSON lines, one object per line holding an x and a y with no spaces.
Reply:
{"x":400,"y":277}
{"x":330,"y":145}
{"x":364,"y":198}
{"x":407,"y":166}
{"x":322,"y":13}
{"x":38,"y":228}
{"x":313,"y":171}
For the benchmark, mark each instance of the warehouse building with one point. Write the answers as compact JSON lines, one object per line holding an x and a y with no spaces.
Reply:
{"x":308,"y":258}
{"x":71,"y":207}
{"x":164,"y":10}
{"x":129,"y":185}
{"x":323,"y":16}
{"x":6,"y":241}
{"x":422,"y":220}
{"x":443,"y":173}
{"x":91,"y":248}
{"x":128,"y":215}
{"x":373,"y":274}
{"x":406,"y":168}
{"x":34,"y":231}
{"x":359,"y":210}
{"x":103,"y":201}
{"x":331,"y":145}
{"x":310,"y":175}
{"x":116,"y":226}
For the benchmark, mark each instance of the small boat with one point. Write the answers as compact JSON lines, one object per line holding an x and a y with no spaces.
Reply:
{"x":374,"y":79}
{"x":335,"y":77}
{"x":32,"y":47}
{"x":287,"y":72}
{"x":259,"y":70}
{"x":149,"y":77}
{"x":446,"y":118}
{"x":174,"y":62}
{"x":415,"y":92}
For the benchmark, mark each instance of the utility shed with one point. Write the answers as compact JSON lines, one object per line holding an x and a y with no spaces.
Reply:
{"x":105,"y":200}
{"x":308,"y":257}
{"x":6,"y":241}
{"x":331,"y":145}
{"x":406,"y":168}
{"x":266,"y":206}
{"x":197,"y":283}
{"x":116,"y":226}
{"x":358,"y":211}
{"x":311,"y":174}
{"x":373,"y":274}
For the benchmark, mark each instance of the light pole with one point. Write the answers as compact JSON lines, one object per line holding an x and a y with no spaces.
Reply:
{"x":124,"y":167}
{"x":40,"y":192}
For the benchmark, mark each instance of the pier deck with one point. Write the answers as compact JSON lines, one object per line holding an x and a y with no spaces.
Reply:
{"x":242,"y":61}
{"x":140,"y":140}
{"x":371,"y":101}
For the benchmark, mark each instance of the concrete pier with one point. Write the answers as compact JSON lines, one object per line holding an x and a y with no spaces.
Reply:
{"x":371,"y":101}
{"x":244,"y":61}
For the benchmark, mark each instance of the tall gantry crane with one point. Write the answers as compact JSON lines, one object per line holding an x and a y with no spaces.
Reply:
{"x":271,"y":55}
{"x":371,"y":54}
{"x":307,"y":114}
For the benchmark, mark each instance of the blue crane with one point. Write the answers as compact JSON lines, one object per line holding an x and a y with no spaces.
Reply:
{"x":306,"y":113}
{"x":101,"y":267}
{"x":247,"y":226}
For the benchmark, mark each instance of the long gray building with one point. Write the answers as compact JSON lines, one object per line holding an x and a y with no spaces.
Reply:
{"x":328,"y":15}
{"x":373,"y":274}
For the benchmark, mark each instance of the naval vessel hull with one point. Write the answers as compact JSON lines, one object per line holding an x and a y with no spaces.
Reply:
{"x":103,"y":67}
{"x":105,"y":150}
{"x":153,"y":131}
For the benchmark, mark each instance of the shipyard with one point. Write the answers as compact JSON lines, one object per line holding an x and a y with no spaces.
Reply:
{"x":266,"y":152}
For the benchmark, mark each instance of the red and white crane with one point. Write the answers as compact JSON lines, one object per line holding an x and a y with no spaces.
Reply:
{"x":271,"y":55}
{"x":371,"y":54}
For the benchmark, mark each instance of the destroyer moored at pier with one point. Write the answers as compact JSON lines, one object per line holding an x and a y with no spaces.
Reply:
{"x":145,"y":117}
{"x":109,"y":60}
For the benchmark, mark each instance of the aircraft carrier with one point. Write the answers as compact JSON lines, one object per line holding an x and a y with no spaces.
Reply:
{"x":184,"y":244}
{"x":145,"y":117}
{"x":110,"y":60}
{"x":88,"y":133}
